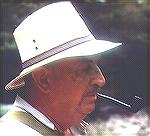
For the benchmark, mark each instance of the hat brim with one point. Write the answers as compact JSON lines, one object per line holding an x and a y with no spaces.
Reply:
{"x":89,"y":48}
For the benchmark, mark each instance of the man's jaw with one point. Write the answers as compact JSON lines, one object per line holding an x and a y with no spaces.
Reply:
{"x":87,"y":103}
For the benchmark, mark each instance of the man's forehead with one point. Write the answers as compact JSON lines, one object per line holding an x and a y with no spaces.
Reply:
{"x":85,"y":59}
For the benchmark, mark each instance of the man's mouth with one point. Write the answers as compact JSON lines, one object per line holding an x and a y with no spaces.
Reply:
{"x":90,"y":96}
{"x":90,"y":99}
{"x":92,"y":92}
{"x":87,"y":105}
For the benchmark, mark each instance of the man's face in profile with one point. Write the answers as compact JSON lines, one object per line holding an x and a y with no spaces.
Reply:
{"x":74,"y":84}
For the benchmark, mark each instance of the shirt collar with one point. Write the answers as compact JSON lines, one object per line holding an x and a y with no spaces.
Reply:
{"x":79,"y":130}
{"x":19,"y":102}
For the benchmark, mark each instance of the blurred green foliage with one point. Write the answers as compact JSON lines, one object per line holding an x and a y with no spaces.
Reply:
{"x":124,"y":19}
{"x":4,"y":109}
{"x":12,"y":14}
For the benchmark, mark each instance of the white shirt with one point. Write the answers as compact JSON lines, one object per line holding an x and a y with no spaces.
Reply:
{"x":22,"y":105}
{"x":19,"y":102}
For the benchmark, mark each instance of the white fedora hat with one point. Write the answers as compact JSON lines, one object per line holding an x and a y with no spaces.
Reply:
{"x":53,"y":32}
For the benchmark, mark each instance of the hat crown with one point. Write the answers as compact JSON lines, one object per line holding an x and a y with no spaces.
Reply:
{"x":47,"y":28}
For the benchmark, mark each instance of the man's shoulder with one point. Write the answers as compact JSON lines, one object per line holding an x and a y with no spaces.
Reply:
{"x":19,"y":122}
{"x":16,"y":128}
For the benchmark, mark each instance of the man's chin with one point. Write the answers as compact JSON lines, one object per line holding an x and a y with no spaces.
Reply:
{"x":87,"y":109}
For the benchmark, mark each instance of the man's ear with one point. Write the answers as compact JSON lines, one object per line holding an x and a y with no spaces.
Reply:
{"x":41,"y":78}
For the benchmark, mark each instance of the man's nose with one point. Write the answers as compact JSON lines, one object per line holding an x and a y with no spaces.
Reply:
{"x":98,"y":78}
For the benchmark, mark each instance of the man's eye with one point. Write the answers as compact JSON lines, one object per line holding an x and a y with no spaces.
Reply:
{"x":82,"y":71}
{"x":89,"y":69}
{"x":86,"y":70}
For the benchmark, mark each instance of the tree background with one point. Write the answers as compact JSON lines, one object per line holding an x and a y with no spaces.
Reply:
{"x":125,"y":68}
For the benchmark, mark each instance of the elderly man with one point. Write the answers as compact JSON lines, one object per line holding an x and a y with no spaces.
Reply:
{"x":60,"y":75}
